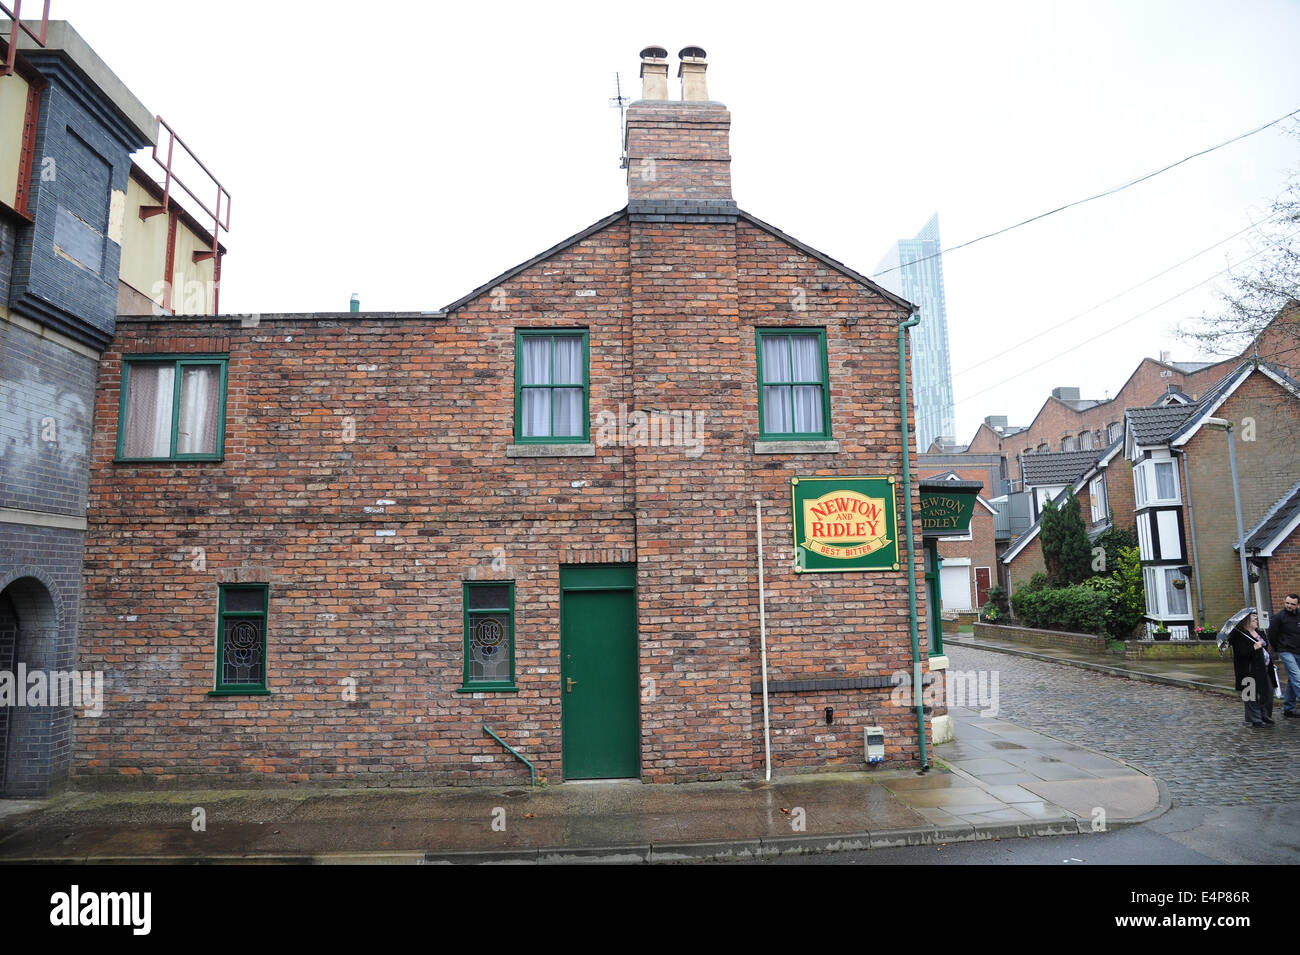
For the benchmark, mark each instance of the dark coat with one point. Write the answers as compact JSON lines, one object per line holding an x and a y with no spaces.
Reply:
{"x":1248,"y":662}
{"x":1284,"y":632}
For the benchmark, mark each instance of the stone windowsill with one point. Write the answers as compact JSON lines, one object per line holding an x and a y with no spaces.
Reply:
{"x":796,"y":447}
{"x":550,"y":451}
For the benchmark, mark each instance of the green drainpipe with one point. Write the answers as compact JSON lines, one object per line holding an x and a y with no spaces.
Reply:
{"x":911,"y":546}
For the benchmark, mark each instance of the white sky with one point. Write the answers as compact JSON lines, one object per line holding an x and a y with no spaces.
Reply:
{"x":411,"y":151}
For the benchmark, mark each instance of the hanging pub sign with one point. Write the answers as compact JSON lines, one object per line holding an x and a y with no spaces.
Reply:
{"x":844,"y":523}
{"x":947,"y":513}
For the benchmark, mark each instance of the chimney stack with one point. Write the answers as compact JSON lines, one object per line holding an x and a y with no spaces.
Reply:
{"x":678,"y":151}
{"x":654,"y":73}
{"x":691,"y":73}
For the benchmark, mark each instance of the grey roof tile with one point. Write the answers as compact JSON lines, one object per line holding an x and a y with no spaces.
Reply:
{"x":1057,"y":467}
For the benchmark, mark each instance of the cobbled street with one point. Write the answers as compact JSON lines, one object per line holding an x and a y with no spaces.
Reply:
{"x":1196,"y":742}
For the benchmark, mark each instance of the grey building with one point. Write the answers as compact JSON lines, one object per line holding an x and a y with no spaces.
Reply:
{"x":913,"y":269}
{"x":63,"y":186}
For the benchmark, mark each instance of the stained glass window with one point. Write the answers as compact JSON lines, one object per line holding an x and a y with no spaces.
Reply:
{"x":241,"y":639}
{"x":489,"y":635}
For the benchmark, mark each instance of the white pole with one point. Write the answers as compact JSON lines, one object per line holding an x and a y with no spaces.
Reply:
{"x":762,"y":640}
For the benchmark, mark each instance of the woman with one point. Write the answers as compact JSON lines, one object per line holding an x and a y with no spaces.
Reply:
{"x":1250,"y":662}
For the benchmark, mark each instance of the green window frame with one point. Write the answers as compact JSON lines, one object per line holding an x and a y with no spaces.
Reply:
{"x":179,"y":364}
{"x":550,"y":386}
{"x":780,"y":384}
{"x":241,"y":636}
{"x":489,"y":620}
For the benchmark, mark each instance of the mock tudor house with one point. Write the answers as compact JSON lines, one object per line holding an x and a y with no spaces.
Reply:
{"x":1185,"y":502}
{"x":431,"y":546}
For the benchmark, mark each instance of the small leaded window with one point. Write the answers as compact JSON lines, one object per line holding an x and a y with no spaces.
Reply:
{"x":241,"y":639}
{"x":489,"y":636}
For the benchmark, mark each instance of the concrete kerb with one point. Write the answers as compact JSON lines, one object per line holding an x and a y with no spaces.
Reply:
{"x":740,"y":850}
{"x":1118,"y":672}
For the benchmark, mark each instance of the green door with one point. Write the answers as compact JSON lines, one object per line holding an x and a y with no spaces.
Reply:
{"x":598,"y":673}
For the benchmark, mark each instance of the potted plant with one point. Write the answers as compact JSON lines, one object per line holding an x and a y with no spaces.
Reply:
{"x":1205,"y":633}
{"x":1160,"y":633}
{"x":1179,"y":583}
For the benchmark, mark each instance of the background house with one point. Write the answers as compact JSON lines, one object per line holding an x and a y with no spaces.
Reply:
{"x":1183,"y":488}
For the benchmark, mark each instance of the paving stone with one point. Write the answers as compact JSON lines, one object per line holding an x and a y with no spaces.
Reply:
{"x":1192,"y":740}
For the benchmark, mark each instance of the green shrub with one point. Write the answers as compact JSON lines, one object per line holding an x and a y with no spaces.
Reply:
{"x":1130,"y":603}
{"x":1034,"y":584}
{"x":1111,"y":542}
{"x":998,"y":598}
{"x":1077,"y":609}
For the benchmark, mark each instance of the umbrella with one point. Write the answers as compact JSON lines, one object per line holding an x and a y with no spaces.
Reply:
{"x":1238,"y":618}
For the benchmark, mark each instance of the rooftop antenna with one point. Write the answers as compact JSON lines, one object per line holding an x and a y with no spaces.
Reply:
{"x":620,"y":101}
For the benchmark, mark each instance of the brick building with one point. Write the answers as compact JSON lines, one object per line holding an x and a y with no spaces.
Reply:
{"x":1273,"y":548}
{"x":532,"y":511}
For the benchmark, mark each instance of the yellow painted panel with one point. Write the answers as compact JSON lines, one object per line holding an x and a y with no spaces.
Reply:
{"x":144,"y":245}
{"x":192,"y":290}
{"x":13,"y":110}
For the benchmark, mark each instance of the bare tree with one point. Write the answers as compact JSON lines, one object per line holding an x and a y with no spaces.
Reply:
{"x":1260,"y":289}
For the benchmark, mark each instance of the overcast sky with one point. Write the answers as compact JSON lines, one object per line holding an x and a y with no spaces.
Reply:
{"x":411,"y":151}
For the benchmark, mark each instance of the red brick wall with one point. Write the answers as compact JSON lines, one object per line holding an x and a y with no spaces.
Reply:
{"x":1119,"y":492}
{"x":1266,"y":469}
{"x":1025,"y":564}
{"x":1284,"y":570}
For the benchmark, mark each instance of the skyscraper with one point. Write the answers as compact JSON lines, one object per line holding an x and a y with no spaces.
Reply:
{"x":914,"y":270}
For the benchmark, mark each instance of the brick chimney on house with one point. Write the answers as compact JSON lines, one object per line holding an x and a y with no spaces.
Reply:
{"x":678,"y":151}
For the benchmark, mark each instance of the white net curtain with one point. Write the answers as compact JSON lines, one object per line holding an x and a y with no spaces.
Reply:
{"x":151,"y":393}
{"x":792,"y":408}
{"x":552,"y":411}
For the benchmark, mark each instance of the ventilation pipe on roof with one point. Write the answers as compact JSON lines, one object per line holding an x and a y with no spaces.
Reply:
{"x":691,"y":73}
{"x":654,"y":73}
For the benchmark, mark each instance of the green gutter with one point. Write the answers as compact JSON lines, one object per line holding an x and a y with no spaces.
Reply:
{"x":911,"y":544}
{"x":532,"y":771}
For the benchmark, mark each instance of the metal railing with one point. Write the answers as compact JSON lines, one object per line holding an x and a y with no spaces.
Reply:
{"x":170,"y":176}
{"x":16,"y":16}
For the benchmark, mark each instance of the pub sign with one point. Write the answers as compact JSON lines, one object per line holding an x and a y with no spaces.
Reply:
{"x":844,"y":523}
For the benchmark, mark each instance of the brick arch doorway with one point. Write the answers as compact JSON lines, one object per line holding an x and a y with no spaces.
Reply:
{"x":33,"y":739}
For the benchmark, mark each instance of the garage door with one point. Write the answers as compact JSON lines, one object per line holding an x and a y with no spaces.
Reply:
{"x":954,"y":586}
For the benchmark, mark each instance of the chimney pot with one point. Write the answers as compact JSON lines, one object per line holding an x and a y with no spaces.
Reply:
{"x":691,"y":72}
{"x":654,"y":73}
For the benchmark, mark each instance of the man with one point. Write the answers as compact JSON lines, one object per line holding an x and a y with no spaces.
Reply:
{"x":1284,"y":638}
